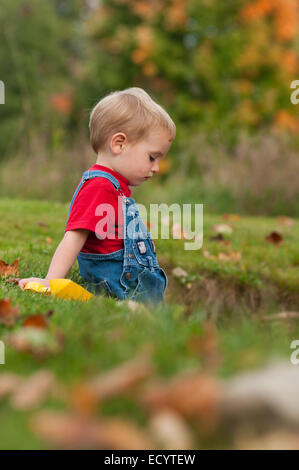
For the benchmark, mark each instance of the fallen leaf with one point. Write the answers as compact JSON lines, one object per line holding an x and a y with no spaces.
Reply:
{"x":8,"y":383}
{"x":207,"y":254}
{"x":8,"y":269}
{"x":171,"y":431}
{"x":222,"y":228}
{"x":285,"y":221}
{"x":42,"y":224}
{"x":217,"y":238}
{"x":39,"y":342}
{"x":180,"y":273}
{"x":206,"y":346}
{"x":275,"y":440}
{"x":231,"y":217}
{"x":36,"y":321}
{"x":70,"y":431}
{"x":281,"y":316}
{"x":121,"y":379}
{"x":49,"y":240}
{"x":231,"y":256}
{"x":32,"y":391}
{"x":192,"y":395}
{"x":275,"y":237}
{"x":83,"y":399}
{"x":8,"y":314}
{"x":14,"y":280}
{"x":178,"y":232}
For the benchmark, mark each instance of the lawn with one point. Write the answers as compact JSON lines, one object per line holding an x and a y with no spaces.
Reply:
{"x":214,"y":326}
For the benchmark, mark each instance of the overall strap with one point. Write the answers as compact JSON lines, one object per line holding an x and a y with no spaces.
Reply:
{"x":87,"y":175}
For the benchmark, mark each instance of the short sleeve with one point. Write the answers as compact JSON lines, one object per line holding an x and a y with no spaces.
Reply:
{"x":96,"y":200}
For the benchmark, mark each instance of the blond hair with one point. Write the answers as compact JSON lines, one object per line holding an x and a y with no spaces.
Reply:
{"x":131,"y":111}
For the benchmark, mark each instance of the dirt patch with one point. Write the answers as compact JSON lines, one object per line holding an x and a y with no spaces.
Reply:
{"x":227,"y":296}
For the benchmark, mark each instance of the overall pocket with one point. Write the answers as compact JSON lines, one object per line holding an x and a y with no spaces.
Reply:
{"x":150,"y":286}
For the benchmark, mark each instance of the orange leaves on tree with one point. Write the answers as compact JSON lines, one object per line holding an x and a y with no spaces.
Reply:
{"x":285,"y":13}
{"x":61,"y":102}
{"x":289,"y":61}
{"x":141,"y":55}
{"x":257,"y":9}
{"x":164,"y":166}
{"x":8,"y":269}
{"x":286,"y":19}
{"x":176,"y":15}
{"x":147,"y":10}
{"x":285,"y":121}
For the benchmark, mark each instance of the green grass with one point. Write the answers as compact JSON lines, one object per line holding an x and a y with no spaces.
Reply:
{"x":102,"y":333}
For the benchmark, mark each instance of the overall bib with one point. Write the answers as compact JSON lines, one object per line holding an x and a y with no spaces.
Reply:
{"x":132,"y":272}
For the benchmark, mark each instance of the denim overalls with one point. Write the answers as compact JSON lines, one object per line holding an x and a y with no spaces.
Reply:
{"x":132,"y":272}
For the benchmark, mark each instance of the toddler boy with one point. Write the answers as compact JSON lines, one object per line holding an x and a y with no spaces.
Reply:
{"x":130,"y":133}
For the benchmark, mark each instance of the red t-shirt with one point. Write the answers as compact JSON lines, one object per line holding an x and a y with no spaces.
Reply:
{"x":87,"y":214}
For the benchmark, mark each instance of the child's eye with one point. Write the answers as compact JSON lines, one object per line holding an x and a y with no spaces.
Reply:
{"x":152,"y":159}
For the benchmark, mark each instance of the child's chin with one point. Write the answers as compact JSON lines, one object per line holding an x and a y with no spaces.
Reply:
{"x":136,"y":183}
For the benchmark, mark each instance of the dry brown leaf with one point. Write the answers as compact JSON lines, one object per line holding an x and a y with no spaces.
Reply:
{"x":14,"y":280}
{"x":32,"y":391}
{"x":36,"y":321}
{"x":222,"y":228}
{"x":42,"y":224}
{"x":83,"y":399}
{"x":179,"y":273}
{"x":49,"y":240}
{"x":8,"y":269}
{"x":231,"y":217}
{"x":276,"y":440}
{"x":206,"y":346}
{"x":281,"y":316}
{"x":178,"y":231}
{"x":8,"y":314}
{"x":121,"y":434}
{"x":275,"y":238}
{"x":193,"y":395}
{"x":121,"y":379}
{"x":171,"y":431}
{"x":8,"y":383}
{"x":37,"y":341}
{"x":69,"y":431}
{"x":207,"y":254}
{"x":233,"y":256}
{"x":285,"y":221}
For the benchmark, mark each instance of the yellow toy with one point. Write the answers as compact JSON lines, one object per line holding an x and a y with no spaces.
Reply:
{"x":62,"y":288}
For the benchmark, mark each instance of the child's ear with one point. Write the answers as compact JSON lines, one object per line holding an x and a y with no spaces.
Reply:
{"x":118,"y":142}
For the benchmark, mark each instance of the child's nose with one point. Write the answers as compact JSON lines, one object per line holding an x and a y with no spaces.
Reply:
{"x":155,"y":168}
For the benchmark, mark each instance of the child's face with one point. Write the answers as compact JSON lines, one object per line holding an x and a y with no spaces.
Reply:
{"x":140,"y":161}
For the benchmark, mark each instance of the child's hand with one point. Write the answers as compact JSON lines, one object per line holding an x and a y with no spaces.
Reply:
{"x":44,"y":282}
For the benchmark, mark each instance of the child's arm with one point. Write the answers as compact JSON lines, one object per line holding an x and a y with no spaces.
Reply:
{"x":64,"y":257}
